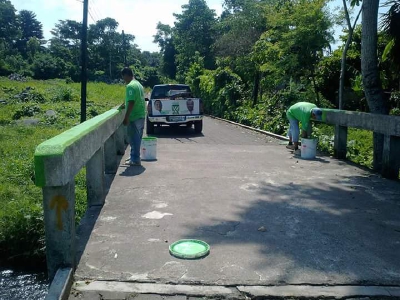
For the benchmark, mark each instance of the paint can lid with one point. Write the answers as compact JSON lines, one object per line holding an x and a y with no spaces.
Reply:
{"x":189,"y":249}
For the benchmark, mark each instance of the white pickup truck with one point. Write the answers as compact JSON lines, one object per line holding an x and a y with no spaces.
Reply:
{"x":174,"y":105}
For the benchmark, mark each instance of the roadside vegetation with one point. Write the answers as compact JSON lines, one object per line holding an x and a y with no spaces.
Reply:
{"x":31,"y":112}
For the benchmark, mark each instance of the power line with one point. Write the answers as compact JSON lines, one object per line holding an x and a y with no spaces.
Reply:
{"x":90,"y":14}
{"x":84,"y":60}
{"x":93,"y":12}
{"x":96,"y":10}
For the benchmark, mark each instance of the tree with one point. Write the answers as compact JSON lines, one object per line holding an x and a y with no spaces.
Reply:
{"x":350,"y":29}
{"x":370,"y":73}
{"x":194,"y":31}
{"x":390,"y":25}
{"x":105,"y":42}
{"x":164,"y":38}
{"x":8,"y":22}
{"x":67,"y":34}
{"x":30,"y":27}
{"x":241,"y":25}
{"x":291,"y":47}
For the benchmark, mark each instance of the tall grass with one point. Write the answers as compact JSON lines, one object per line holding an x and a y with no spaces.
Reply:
{"x":21,"y":213}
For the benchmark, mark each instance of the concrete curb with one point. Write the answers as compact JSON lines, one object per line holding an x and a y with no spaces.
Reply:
{"x":126,"y":289}
{"x":336,"y":292}
{"x":277,"y":136}
{"x":61,"y":285}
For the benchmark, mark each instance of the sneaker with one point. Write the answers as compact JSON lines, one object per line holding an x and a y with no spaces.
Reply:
{"x":134,"y":163}
{"x":290,"y":147}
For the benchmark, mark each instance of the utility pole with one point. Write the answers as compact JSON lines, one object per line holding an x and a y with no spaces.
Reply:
{"x":84,"y":60}
{"x":124,"y":48}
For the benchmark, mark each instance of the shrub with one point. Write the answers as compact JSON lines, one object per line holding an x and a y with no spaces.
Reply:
{"x":26,"y":111}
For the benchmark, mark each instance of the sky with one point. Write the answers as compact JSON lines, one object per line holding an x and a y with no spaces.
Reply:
{"x":137,"y":17}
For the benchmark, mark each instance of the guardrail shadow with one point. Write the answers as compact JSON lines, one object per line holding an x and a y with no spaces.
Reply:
{"x":88,"y":221}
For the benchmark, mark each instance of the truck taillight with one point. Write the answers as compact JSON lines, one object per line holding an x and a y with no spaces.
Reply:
{"x":201,"y":106}
{"x":149,"y":108}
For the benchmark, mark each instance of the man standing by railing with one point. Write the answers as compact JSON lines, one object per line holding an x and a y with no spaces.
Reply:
{"x":135,"y":115}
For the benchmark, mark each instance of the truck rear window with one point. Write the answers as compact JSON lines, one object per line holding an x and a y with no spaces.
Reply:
{"x":160,"y":92}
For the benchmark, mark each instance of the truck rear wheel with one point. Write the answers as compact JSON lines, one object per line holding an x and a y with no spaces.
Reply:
{"x":198,"y":126}
{"x":149,"y":127}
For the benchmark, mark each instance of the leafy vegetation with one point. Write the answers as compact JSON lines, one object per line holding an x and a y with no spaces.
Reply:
{"x":55,"y":107}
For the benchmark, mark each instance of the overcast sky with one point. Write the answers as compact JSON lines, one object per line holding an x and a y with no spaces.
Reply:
{"x":137,"y":17}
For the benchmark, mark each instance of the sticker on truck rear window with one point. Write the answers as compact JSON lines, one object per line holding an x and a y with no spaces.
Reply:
{"x":166,"y":107}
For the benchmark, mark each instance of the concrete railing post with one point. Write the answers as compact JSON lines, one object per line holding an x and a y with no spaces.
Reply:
{"x":120,"y":140}
{"x":340,"y":142}
{"x":95,"y":180}
{"x":110,"y":155}
{"x":391,"y":157}
{"x":59,"y":219}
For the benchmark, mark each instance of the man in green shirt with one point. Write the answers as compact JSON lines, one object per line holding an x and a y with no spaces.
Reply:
{"x":300,"y":112}
{"x":134,"y":115}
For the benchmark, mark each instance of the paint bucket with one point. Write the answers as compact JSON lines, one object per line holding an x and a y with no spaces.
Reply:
{"x":308,"y":148}
{"x":148,"y":149}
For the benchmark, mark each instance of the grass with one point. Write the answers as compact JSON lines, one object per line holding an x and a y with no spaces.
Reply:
{"x":21,"y":214}
{"x":359,"y":143}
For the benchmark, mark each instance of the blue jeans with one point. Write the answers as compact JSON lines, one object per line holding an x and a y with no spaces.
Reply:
{"x":294,"y":130}
{"x":135,"y":134}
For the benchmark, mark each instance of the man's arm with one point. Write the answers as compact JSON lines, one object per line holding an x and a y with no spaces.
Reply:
{"x":129,"y":109}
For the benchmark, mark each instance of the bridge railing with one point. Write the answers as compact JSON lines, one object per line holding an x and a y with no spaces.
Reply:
{"x":93,"y":144}
{"x":389,"y":126}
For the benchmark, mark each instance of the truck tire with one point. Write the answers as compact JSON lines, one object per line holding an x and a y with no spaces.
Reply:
{"x":149,"y":127}
{"x":198,"y":126}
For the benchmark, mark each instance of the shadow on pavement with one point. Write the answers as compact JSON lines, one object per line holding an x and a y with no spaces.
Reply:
{"x":168,"y":132}
{"x":322,"y":232}
{"x":133,"y":171}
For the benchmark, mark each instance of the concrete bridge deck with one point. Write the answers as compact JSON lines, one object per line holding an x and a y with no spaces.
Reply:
{"x":277,"y":225}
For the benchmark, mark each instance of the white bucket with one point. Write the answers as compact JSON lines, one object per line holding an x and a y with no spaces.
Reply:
{"x":148,"y":149}
{"x":308,"y":148}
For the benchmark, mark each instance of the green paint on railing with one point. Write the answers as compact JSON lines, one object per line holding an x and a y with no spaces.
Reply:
{"x":324,"y":111}
{"x":57,"y":145}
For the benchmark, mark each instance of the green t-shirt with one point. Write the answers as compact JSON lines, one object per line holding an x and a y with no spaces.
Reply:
{"x":135,"y":93}
{"x":301,"y":111}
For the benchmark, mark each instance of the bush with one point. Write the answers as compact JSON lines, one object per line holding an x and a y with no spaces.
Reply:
{"x":64,"y":94}
{"x":26,"y":111}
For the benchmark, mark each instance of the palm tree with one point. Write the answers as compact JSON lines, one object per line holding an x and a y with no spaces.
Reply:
{"x":390,"y":24}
